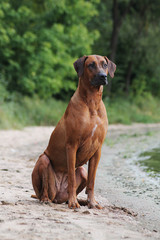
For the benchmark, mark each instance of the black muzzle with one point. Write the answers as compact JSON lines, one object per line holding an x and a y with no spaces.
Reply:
{"x":99,"y":79}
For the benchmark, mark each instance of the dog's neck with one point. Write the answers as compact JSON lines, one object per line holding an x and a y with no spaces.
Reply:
{"x":90,"y":95}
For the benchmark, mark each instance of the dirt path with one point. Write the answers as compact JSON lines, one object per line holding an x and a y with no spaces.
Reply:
{"x":131,"y":200}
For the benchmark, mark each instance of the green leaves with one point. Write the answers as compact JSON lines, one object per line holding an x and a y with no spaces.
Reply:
{"x":40,"y":42}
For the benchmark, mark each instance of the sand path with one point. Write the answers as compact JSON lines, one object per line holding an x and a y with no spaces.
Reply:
{"x":131,"y":199}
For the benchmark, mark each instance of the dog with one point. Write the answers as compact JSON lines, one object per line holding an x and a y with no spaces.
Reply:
{"x":59,"y":175}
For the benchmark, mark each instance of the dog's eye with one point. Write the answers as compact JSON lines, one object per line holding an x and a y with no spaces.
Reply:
{"x":92,"y":65}
{"x":105,"y":65}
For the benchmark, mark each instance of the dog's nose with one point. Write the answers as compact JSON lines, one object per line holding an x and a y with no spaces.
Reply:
{"x":102,"y":76}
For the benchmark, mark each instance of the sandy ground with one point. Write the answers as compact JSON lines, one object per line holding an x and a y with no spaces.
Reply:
{"x":130,"y":198}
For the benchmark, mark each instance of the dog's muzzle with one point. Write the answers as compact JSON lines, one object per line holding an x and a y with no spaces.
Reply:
{"x":99,"y":79}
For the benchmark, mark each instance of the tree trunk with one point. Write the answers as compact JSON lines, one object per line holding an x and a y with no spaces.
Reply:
{"x":115,"y":31}
{"x":117,"y":23}
{"x":128,"y":77}
{"x":114,"y":39}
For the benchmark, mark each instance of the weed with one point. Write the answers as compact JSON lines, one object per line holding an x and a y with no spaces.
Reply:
{"x":22,"y":111}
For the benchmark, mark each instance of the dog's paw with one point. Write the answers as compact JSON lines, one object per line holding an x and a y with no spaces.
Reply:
{"x":94,"y":204}
{"x":73,"y":203}
{"x":45,"y":200}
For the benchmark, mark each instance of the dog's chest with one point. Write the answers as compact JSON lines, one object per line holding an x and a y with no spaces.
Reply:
{"x":92,"y":139}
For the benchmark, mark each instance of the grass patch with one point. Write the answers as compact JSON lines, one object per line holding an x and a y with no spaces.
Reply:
{"x":144,"y":109}
{"x":25,"y":111}
{"x":30,"y":112}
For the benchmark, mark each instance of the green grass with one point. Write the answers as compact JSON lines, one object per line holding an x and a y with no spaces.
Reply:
{"x":30,"y":112}
{"x":144,"y":109}
{"x":25,"y":111}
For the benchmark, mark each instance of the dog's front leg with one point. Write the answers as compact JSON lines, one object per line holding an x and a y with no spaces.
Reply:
{"x":71,"y":161}
{"x":93,"y":164}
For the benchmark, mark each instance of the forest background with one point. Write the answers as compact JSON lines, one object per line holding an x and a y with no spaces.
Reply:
{"x":40,"y":40}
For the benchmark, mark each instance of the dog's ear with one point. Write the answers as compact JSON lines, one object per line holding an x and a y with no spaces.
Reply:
{"x":79,"y":65}
{"x":111,"y":67}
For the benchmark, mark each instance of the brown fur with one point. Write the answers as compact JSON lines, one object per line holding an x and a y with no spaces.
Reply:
{"x":58,"y":175}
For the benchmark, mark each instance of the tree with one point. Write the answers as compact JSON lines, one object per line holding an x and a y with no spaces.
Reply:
{"x":40,"y":40}
{"x":129,"y":35}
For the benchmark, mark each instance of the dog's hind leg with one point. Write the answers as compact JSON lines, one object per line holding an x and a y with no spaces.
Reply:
{"x":43,"y":179}
{"x":81,"y":182}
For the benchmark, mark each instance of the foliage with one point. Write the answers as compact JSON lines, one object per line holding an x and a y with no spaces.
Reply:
{"x":134,"y":27}
{"x":144,"y":109}
{"x":40,"y":40}
{"x":26,"y":111}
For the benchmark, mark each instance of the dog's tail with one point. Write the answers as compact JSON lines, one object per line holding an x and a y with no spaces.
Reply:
{"x":34,"y":196}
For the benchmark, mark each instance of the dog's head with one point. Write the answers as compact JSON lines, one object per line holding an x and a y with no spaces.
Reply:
{"x":95,"y":69}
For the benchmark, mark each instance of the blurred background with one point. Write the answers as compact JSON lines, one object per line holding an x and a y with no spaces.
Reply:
{"x":40,"y":40}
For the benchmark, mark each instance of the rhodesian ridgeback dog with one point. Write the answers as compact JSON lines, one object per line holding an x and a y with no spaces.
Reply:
{"x":59,"y":175}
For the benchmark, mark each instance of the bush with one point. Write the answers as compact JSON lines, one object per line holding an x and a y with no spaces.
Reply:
{"x":25,"y":111}
{"x":142,"y":109}
{"x":39,"y":41}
